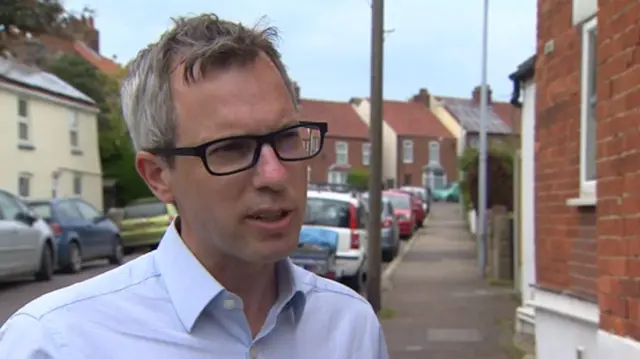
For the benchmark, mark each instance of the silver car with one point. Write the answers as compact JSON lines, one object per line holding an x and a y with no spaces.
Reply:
{"x":389,"y":232}
{"x":26,"y":241}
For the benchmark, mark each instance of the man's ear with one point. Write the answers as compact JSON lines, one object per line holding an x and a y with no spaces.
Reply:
{"x":156,"y":173}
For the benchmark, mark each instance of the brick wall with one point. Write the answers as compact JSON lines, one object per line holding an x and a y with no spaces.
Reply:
{"x":448,"y":159}
{"x":320,"y":164}
{"x":565,"y":235}
{"x":618,"y":220}
{"x":493,"y":139}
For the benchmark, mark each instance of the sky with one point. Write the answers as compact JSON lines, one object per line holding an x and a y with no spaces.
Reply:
{"x":434,"y":44}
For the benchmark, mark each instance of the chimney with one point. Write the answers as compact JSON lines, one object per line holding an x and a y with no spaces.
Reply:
{"x":476,"y":95}
{"x":296,"y":91}
{"x":423,"y":97}
{"x":90,"y":21}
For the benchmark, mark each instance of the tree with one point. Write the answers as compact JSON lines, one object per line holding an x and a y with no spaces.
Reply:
{"x":499,"y":177}
{"x":358,"y":179}
{"x":34,"y":17}
{"x":116,"y":151}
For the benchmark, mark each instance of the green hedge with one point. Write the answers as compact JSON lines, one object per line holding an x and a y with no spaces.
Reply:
{"x":499,"y":178}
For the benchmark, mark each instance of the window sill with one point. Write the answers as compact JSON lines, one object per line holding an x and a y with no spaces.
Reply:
{"x":26,"y":146}
{"x":76,"y":152}
{"x":583,"y":201}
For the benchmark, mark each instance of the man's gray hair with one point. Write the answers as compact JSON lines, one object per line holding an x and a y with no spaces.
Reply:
{"x":200,"y":43}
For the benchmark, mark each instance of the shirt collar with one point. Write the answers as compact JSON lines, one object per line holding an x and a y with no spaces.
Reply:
{"x":191,"y":288}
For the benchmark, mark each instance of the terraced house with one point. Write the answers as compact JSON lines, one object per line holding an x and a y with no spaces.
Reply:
{"x":582,"y":100}
{"x":48,"y":136}
{"x":346,"y":147}
{"x":417,"y":149}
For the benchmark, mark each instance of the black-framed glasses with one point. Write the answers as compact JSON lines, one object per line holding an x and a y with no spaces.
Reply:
{"x":230,"y":155}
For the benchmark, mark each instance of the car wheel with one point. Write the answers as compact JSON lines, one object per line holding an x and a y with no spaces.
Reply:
{"x":117,"y":254}
{"x":75,"y":258}
{"x":388,"y":254}
{"x":45,"y":272}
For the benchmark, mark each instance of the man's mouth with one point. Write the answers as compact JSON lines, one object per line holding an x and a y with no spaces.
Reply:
{"x":270,"y":216}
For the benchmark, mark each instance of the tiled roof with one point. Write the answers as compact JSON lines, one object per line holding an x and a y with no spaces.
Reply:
{"x":468,"y":114}
{"x":507,"y":112}
{"x":35,"y":78}
{"x":342,"y":118}
{"x":102,"y":63}
{"x":413,"y":119}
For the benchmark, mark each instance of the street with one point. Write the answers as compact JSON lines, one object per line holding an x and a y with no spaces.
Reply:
{"x":13,"y":295}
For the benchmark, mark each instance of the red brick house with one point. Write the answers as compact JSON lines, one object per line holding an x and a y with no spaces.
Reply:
{"x":346,"y":146}
{"x":425,"y":149}
{"x":587,"y":179}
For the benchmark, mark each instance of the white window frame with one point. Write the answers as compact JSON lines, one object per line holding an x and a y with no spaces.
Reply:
{"x":24,"y":120}
{"x":434,"y":145}
{"x":587,"y":187}
{"x":337,"y":177}
{"x":74,"y":128}
{"x":342,"y":153}
{"x":581,"y":10}
{"x":366,"y":154}
{"x":27,"y":177}
{"x":407,"y":151}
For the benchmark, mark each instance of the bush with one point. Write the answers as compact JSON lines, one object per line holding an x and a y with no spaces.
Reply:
{"x":358,"y":179}
{"x":499,"y":178}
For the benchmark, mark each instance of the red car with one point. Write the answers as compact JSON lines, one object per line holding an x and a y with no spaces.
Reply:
{"x":416,"y":206}
{"x":401,"y":203}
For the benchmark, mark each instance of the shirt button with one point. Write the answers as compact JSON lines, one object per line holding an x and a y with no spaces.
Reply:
{"x":229,"y":304}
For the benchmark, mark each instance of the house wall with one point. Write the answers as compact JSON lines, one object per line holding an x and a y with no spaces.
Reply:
{"x":448,"y":159}
{"x":527,"y":253}
{"x":588,"y":292}
{"x":321,"y":163}
{"x":618,"y":169}
{"x":445,"y":117}
{"x":493,"y":140}
{"x":50,"y":149}
{"x":389,"y":142}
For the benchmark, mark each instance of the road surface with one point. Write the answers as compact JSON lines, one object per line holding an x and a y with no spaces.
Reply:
{"x":14,"y":295}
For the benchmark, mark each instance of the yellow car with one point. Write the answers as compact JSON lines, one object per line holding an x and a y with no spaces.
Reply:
{"x":144,"y":222}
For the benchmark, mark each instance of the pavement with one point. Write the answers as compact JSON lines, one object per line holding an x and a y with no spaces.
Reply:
{"x":435,"y":304}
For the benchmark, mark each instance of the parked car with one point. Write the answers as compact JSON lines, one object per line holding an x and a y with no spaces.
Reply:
{"x":82,"y":232}
{"x":144,"y":222}
{"x":389,"y":230}
{"x":423,"y":193}
{"x":347,"y":215}
{"x":449,"y":194}
{"x":402,"y":209}
{"x":26,"y":242}
{"x":416,"y":206}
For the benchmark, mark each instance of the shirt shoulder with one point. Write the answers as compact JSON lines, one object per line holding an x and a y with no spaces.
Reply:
{"x":119,"y":281}
{"x":326,"y":289}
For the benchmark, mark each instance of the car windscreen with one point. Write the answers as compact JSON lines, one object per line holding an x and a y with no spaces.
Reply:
{"x":399,"y":201}
{"x":145,"y":210}
{"x":42,"y":209}
{"x":327,"y":212}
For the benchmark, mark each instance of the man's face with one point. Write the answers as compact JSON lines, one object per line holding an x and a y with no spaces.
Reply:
{"x":221,"y":213}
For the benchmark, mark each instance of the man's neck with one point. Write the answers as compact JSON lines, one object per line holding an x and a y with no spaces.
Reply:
{"x":255,"y":284}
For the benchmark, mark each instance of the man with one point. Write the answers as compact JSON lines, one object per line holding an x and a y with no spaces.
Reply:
{"x":214,"y":120}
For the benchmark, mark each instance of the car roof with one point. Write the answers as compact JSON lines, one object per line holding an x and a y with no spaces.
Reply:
{"x":396,"y":192}
{"x":336,"y":196}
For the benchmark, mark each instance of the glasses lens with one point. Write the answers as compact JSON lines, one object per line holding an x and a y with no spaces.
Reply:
{"x":230,"y":155}
{"x":298,"y":143}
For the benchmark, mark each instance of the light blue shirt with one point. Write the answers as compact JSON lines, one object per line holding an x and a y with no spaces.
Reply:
{"x":166,"y":305}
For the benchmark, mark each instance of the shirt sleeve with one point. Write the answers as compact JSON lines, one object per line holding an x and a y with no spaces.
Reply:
{"x":25,"y":337}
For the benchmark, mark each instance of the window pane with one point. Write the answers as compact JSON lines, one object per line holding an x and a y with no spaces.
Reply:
{"x":22,"y":108}
{"x":590,"y":136}
{"x":23,"y":131}
{"x":325,"y":212}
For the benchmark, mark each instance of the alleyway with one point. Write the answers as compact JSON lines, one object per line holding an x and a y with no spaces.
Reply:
{"x":438,"y":307}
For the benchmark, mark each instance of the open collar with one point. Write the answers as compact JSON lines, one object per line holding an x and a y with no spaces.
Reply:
{"x":191,"y":288}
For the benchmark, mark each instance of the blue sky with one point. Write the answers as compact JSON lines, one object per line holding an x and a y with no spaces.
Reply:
{"x":326,"y":44}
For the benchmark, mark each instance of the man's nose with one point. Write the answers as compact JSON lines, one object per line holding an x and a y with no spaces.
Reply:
{"x":270,"y":170}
